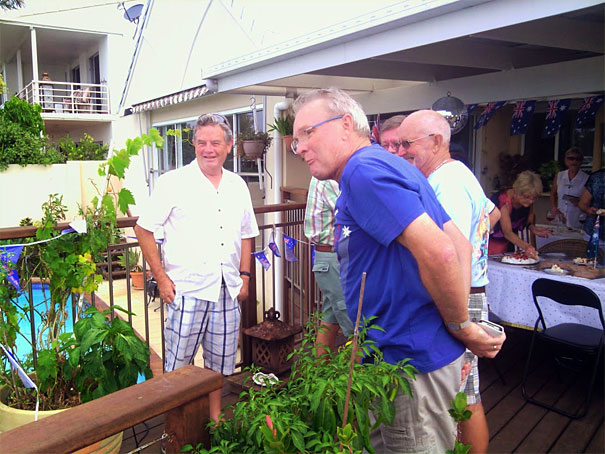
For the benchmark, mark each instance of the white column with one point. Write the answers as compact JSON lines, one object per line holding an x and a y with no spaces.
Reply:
{"x":35,"y":76}
{"x":19,"y":72}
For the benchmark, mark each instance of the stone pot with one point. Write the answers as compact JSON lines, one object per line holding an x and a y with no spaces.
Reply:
{"x":253,"y":149}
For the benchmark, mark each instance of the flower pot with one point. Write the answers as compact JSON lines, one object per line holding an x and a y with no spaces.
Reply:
{"x":288,"y":143}
{"x":11,"y":418}
{"x":253,"y":148}
{"x":136,"y":277}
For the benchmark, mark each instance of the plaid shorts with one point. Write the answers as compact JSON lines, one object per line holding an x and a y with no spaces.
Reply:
{"x":191,"y":322}
{"x":477,"y":310}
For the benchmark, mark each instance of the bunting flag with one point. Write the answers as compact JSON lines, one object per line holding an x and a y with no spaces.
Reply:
{"x":262,"y":258}
{"x":488,"y":113}
{"x":27,"y":381}
{"x":557,"y":108}
{"x":470,"y":108}
{"x":289,"y":249}
{"x":10,"y":254}
{"x":273,"y":246}
{"x":375,"y":135}
{"x":522,"y":114}
{"x":587,"y":112}
{"x":312,"y":254}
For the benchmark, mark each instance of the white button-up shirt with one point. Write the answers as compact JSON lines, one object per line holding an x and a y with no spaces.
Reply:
{"x":203,"y":228}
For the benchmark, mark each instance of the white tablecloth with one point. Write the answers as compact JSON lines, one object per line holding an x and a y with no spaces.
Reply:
{"x":509,"y":297}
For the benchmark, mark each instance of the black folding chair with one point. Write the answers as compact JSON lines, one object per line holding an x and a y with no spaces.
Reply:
{"x":579,"y":342}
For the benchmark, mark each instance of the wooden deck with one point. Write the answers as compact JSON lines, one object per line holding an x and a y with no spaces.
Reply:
{"x":515,"y":425}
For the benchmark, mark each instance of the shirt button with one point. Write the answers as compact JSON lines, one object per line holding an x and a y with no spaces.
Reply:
{"x":219,"y":210}
{"x":222,"y":244}
{"x":221,"y":227}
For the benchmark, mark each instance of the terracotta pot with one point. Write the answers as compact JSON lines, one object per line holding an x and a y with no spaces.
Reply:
{"x":288,"y":143}
{"x":253,"y":148}
{"x":11,"y":418}
{"x":136,"y":277}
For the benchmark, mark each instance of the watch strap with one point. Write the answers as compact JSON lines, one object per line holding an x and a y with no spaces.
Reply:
{"x":455,"y":326}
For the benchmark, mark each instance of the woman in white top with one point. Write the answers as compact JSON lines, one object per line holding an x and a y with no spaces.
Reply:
{"x":567,"y":188}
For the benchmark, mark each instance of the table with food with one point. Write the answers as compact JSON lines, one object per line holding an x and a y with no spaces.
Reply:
{"x":511,"y":276}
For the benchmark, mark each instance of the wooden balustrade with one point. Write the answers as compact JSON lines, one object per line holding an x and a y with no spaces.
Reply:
{"x":181,"y":395}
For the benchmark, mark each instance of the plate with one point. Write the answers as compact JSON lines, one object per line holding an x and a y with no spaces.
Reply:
{"x":525,"y":263}
{"x":555,"y":273}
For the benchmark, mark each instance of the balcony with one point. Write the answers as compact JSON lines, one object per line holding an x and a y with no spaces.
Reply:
{"x":68,"y":100}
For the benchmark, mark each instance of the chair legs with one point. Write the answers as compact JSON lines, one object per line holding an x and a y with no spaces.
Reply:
{"x":584,"y":409}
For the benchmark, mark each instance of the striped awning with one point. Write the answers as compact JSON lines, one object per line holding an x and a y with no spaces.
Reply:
{"x":169,"y":100}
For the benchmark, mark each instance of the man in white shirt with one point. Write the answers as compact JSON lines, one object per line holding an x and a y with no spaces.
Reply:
{"x":424,"y":138}
{"x":206,"y":216}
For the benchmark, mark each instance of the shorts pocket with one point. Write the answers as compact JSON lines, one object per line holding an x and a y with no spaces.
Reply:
{"x":321,"y":267}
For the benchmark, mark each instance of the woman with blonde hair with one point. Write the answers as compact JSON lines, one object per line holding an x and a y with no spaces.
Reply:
{"x":517,"y":212}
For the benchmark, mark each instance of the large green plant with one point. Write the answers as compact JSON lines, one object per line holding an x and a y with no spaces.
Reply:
{"x":67,"y":264}
{"x":86,"y":150}
{"x":306,"y":415}
{"x":283,"y":125}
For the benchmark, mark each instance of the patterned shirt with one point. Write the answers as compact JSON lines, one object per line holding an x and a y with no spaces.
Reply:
{"x":319,"y":216}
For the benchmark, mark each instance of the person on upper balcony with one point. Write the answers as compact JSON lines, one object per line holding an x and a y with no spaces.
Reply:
{"x":567,"y":188}
{"x":517,"y":212}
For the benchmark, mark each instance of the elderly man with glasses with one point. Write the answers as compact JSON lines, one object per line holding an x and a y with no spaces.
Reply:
{"x":465,"y":202}
{"x":205,"y":215}
{"x":390,"y":224}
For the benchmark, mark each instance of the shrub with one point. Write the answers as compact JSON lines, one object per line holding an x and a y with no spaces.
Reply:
{"x":20,"y":146}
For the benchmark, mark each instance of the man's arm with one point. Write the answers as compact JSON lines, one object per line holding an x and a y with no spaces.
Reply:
{"x":151,"y":254}
{"x":245,"y":266}
{"x":442,"y":276}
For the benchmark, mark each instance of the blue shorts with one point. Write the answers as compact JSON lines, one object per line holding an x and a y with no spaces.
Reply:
{"x":191,"y":322}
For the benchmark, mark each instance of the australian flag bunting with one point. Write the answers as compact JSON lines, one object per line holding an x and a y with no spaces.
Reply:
{"x":289,"y":249}
{"x":10,"y":254}
{"x":556,"y":111}
{"x":587,"y":112}
{"x":470,"y":108}
{"x":262,"y":258}
{"x":312,"y":254}
{"x":488,"y":113}
{"x":273,"y":246}
{"x":522,"y":114}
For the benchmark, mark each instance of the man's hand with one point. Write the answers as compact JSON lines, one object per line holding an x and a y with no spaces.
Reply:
{"x":478,"y":341}
{"x":167,"y":289}
{"x":243,"y":293}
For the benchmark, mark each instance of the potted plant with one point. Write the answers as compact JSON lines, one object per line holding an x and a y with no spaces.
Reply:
{"x":252,"y":145}
{"x":285,"y":127}
{"x":136,"y":270}
{"x":100,"y":355}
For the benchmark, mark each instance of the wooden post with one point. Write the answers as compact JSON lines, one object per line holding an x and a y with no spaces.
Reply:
{"x":249,"y":312}
{"x":187,"y":424}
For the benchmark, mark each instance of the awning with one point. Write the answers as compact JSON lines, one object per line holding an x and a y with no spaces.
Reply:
{"x":172,"y":99}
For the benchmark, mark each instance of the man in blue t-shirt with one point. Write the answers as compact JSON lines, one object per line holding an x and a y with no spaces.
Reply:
{"x":390,"y":225}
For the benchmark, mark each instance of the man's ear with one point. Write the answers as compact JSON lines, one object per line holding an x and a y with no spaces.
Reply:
{"x":438,"y":141}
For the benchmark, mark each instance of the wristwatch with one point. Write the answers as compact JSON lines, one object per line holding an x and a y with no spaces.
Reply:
{"x":455,"y":326}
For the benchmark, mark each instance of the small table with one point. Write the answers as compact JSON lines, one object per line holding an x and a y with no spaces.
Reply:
{"x":510,"y":298}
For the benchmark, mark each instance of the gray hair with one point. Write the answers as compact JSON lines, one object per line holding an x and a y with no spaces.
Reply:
{"x":214,"y":120}
{"x":392,"y":123}
{"x":339,"y":103}
{"x":575,"y":150}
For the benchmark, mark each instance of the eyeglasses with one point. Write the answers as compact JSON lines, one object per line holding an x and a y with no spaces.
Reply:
{"x":387,"y":145}
{"x":574,"y":158}
{"x":406,"y":143}
{"x":305,"y":133}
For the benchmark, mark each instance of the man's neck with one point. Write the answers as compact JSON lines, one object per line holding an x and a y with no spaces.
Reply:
{"x":435,"y":163}
{"x":355,"y":145}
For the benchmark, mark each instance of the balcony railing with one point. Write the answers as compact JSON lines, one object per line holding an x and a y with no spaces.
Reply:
{"x":67,"y":97}
{"x":299,"y":293}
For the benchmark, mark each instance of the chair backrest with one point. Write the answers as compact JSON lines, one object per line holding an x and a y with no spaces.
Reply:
{"x":567,"y":294}
{"x":572,"y":247}
{"x":526,"y":235}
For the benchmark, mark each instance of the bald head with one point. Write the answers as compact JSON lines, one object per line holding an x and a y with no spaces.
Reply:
{"x":425,"y":138}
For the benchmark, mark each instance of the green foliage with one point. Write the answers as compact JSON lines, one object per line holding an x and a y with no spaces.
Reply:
{"x":460,"y":413}
{"x":22,"y":139}
{"x":85,"y":150}
{"x":547,"y":171}
{"x":133,"y":260}
{"x":306,"y":414}
{"x":283,"y":125}
{"x":250,"y":135}
{"x":101,"y":356}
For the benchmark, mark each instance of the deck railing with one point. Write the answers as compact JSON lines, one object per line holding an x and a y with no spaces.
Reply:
{"x":67,"y":97}
{"x":298,"y":297}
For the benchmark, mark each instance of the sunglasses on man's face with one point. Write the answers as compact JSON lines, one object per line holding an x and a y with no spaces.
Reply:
{"x":573,"y":158}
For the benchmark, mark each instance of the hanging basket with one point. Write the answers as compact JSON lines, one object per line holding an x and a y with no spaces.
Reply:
{"x":288,"y":143}
{"x":253,"y":149}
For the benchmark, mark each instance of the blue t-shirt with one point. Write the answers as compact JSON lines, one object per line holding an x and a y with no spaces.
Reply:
{"x":381,"y":195}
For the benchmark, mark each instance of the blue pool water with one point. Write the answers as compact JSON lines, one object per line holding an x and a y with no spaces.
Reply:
{"x":40,"y":293}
